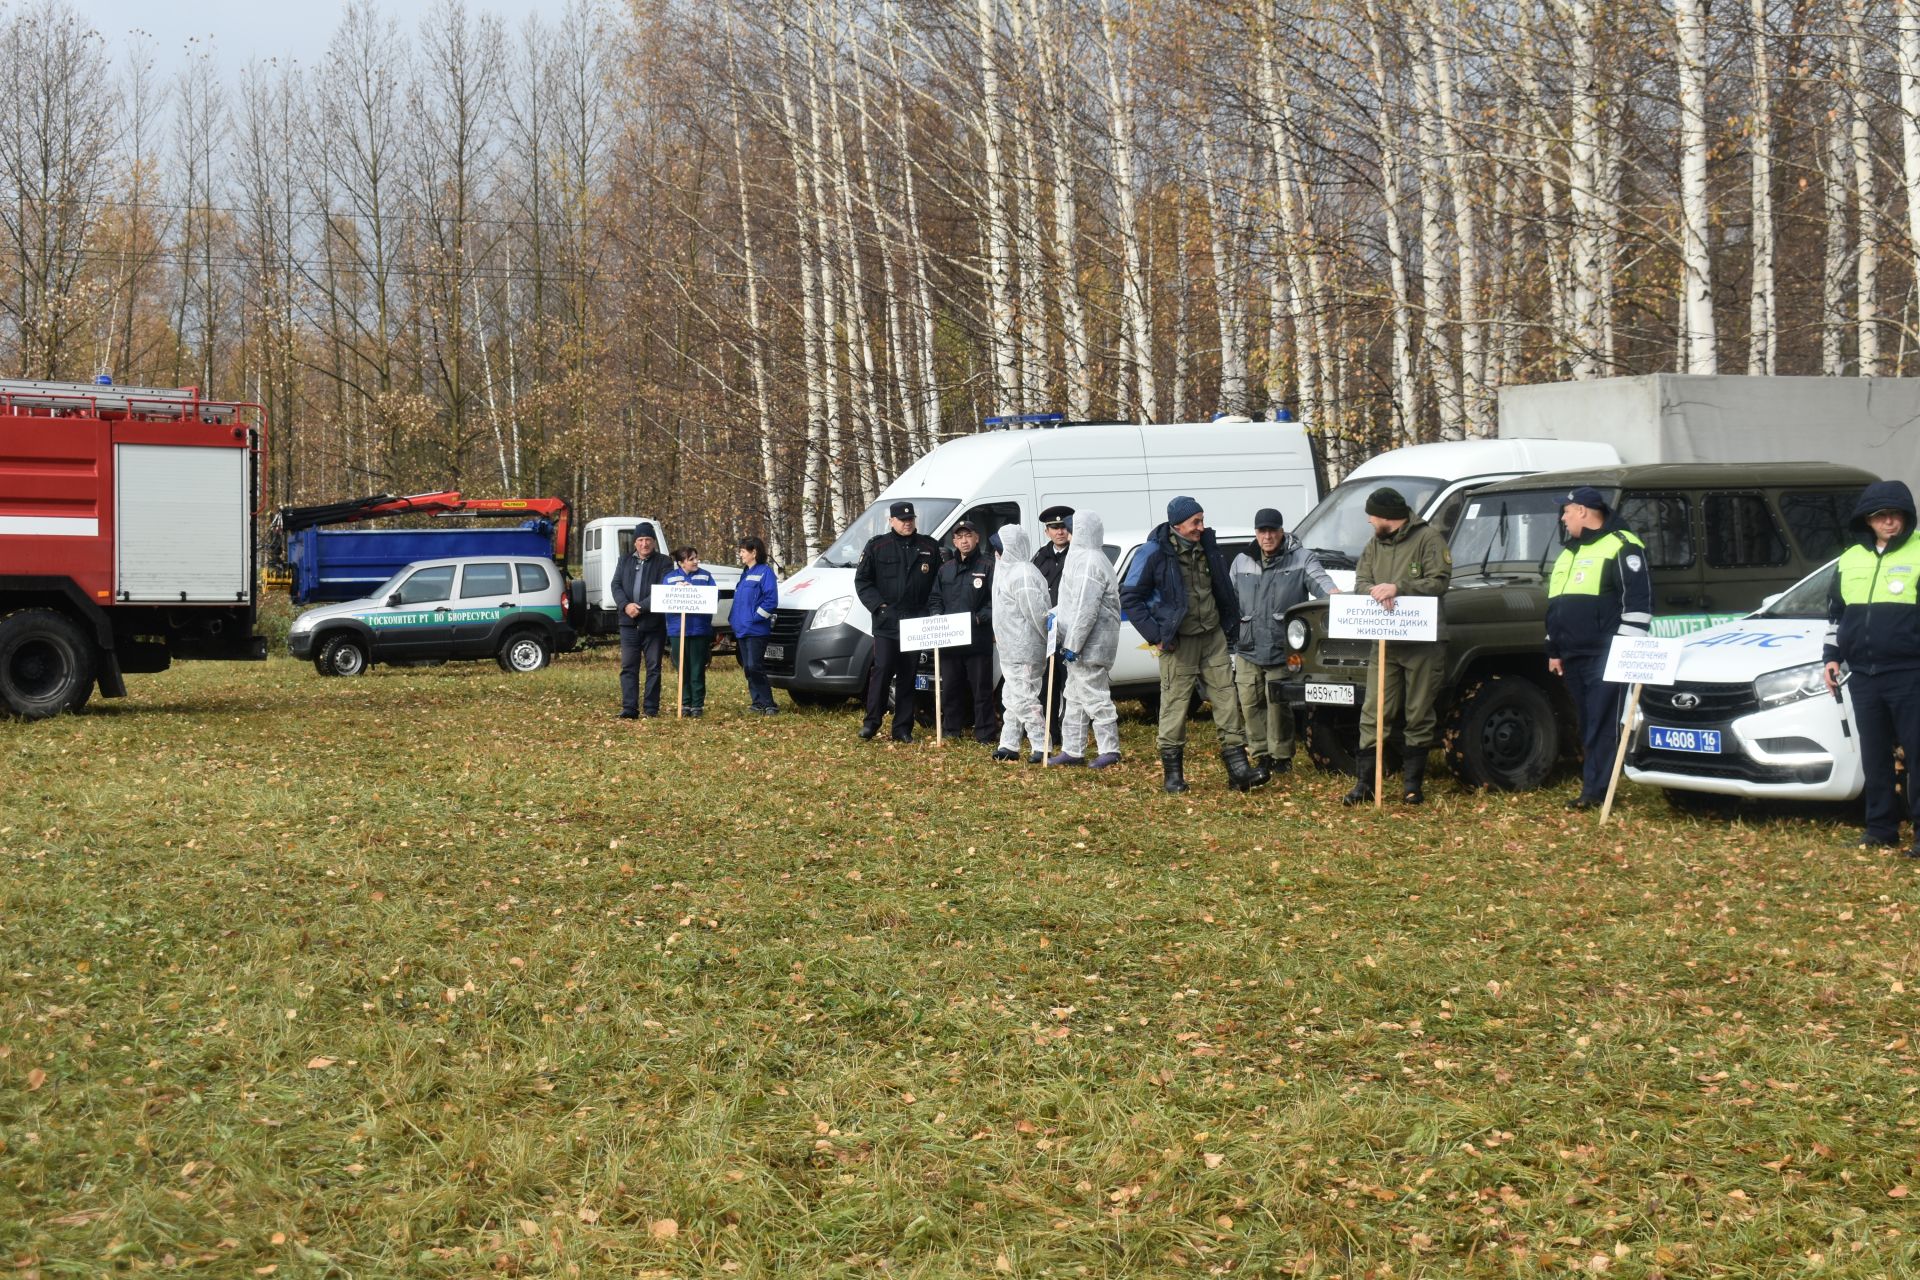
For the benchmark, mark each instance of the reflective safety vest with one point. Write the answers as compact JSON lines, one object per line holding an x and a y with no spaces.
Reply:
{"x":1867,"y":577}
{"x":1580,"y":570}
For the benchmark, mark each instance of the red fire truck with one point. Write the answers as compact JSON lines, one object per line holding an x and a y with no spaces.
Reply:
{"x":126,"y":537}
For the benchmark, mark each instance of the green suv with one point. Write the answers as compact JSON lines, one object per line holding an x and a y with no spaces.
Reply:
{"x":1721,"y":537}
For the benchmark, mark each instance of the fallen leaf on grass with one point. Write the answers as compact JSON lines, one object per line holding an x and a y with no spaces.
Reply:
{"x":320,"y":1064}
{"x":1897,"y":1193}
{"x":589,"y":1216}
{"x":35,"y":1078}
{"x":663,"y":1229}
{"x":1212,"y":1159}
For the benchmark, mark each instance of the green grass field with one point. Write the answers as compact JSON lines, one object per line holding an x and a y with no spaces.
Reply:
{"x":445,"y":973}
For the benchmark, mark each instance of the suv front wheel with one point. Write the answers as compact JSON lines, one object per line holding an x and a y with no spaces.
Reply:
{"x":1502,"y":733}
{"x":341,"y":655}
{"x":524,"y":652}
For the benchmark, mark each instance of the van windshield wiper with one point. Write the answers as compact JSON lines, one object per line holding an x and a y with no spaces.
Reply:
{"x":1499,"y":533}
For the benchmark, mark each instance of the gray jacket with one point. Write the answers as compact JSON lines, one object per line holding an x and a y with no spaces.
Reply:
{"x":1267,"y":588}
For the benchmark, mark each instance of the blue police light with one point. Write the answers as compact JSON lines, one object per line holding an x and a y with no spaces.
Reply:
{"x":1026,"y":420}
{"x":102,"y":379}
{"x":1282,"y":414}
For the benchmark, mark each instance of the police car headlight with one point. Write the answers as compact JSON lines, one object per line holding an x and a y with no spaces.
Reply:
{"x":1297,"y":634}
{"x":302,"y":623}
{"x":832,"y":613}
{"x":1777,"y":688}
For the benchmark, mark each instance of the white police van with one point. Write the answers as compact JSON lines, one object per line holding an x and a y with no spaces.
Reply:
{"x":821,"y":648}
{"x":1750,"y":716}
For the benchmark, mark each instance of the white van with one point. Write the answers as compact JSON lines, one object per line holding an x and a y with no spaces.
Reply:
{"x":822,"y":642}
{"x":605,"y":540}
{"x":1434,"y":479}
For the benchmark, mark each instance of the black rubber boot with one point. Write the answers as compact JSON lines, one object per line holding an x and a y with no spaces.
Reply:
{"x":1240,"y":774}
{"x":1174,"y":761}
{"x":1362,"y":792}
{"x":1413,"y":782}
{"x":1262,"y":770}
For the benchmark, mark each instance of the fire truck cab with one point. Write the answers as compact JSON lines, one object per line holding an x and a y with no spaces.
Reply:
{"x":127,"y":519}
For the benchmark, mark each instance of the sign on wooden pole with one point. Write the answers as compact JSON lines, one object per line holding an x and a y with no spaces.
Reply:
{"x":1409,"y":619}
{"x":941,"y":631}
{"x":683,"y":598}
{"x":1636,"y":661}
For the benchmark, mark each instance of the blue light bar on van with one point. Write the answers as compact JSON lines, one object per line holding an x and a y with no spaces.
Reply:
{"x":1026,"y":420}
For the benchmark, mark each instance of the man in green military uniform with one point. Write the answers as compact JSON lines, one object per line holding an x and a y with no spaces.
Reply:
{"x":1405,"y":557}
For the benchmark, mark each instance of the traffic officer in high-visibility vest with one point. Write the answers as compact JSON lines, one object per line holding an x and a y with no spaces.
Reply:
{"x":1873,"y":626}
{"x":1600,"y":588}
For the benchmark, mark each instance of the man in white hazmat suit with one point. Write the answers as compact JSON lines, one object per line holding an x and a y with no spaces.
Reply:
{"x":1020,"y":634}
{"x":1088,"y":621}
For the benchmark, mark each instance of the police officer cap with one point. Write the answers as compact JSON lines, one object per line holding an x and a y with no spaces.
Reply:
{"x":1388,"y":505}
{"x":967,"y":526}
{"x":1057,"y":515}
{"x":1586,"y":496}
{"x":901,"y":511}
{"x":1268,"y":518}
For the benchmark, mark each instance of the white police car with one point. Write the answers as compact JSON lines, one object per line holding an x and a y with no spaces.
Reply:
{"x":1750,"y":715}
{"x":518,"y":610}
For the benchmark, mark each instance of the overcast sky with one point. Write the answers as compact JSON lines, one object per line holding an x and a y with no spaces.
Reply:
{"x":239,"y":30}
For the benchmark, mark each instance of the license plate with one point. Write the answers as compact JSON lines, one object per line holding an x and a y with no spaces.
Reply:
{"x":923,"y":683}
{"x":1338,"y":695}
{"x":1699,"y":741}
{"x":776,"y":651}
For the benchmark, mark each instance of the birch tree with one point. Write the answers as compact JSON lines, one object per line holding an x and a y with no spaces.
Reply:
{"x":1695,"y":213}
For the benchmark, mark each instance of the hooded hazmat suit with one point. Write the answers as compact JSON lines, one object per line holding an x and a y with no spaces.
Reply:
{"x":1088,"y":620}
{"x":1020,"y":632}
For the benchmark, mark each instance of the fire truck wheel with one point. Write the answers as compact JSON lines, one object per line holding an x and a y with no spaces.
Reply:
{"x":524,"y":651}
{"x":46,"y":664}
{"x":342,"y":656}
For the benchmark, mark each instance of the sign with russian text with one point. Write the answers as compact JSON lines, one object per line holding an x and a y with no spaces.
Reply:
{"x":1355,"y":615}
{"x":1643,"y":660}
{"x":684,"y":598}
{"x":942,"y":631}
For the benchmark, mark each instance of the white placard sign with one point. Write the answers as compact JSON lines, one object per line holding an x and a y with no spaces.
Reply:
{"x":942,"y":631}
{"x":684,"y":598}
{"x":1358,"y":616}
{"x":1643,"y":660}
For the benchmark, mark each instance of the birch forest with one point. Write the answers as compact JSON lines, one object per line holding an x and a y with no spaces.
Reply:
{"x":738,"y":264}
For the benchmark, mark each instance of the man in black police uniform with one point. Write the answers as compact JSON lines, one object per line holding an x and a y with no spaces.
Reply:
{"x":964,"y":584}
{"x":1600,"y":588}
{"x":1049,"y":560}
{"x":1873,"y":625}
{"x":894,"y":581}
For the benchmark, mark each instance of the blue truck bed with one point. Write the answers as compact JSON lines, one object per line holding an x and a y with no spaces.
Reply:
{"x":347,"y":564}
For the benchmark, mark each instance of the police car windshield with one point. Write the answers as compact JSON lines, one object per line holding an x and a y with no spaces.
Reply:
{"x":846,"y":549}
{"x":1337,"y":526}
{"x":1806,"y":598}
{"x":1511,"y":530}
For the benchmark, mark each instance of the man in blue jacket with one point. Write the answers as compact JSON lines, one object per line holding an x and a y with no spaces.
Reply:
{"x":751,"y":619}
{"x":643,"y":633}
{"x":1181,"y":600}
{"x":1873,"y":625}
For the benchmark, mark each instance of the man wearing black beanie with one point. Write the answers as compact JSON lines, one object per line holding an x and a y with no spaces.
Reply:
{"x":1405,"y":557}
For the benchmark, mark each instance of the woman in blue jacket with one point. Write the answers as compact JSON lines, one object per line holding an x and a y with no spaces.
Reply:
{"x":754,"y":601}
{"x":699,"y":633}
